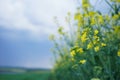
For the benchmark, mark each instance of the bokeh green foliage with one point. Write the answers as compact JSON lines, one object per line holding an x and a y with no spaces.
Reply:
{"x":90,"y":50}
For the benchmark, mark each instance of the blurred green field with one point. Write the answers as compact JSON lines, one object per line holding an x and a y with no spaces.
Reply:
{"x":26,"y":76}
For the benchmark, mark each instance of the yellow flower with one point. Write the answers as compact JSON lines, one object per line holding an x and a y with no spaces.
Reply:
{"x":100,"y":19}
{"x":118,"y":53}
{"x":80,"y":22}
{"x":96,"y":32}
{"x":72,"y":53}
{"x":80,"y":50}
{"x":85,"y":3}
{"x":86,"y":15}
{"x":78,"y":16}
{"x":96,"y":38}
{"x":115,"y":17}
{"x":95,"y":42}
{"x":89,"y":46}
{"x":84,"y":37}
{"x":96,"y":48}
{"x":116,"y":29}
{"x":82,"y":61}
{"x":91,"y":13}
{"x":93,"y":21}
{"x":103,"y":44}
{"x":95,"y":79}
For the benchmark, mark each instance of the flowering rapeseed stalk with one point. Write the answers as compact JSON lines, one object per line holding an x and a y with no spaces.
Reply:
{"x":79,"y":17}
{"x":94,"y":32}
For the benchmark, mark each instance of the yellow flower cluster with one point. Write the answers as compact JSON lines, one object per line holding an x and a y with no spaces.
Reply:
{"x":84,"y":37}
{"x":85,"y":3}
{"x":72,"y":53}
{"x":115,"y":17}
{"x":80,"y":50}
{"x":97,"y":48}
{"x":103,"y":44}
{"x":100,"y":19}
{"x":89,"y":46}
{"x":96,"y":39}
{"x":93,"y":21}
{"x":82,"y":61}
{"x":76,"y":50}
{"x":96,"y":32}
{"x":116,"y":29}
{"x":91,"y":13}
{"x":118,"y":53}
{"x":79,"y":18}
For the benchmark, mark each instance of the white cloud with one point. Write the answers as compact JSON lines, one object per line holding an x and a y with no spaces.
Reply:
{"x":34,"y":16}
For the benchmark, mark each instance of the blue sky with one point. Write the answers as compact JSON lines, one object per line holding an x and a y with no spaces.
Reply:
{"x":24,"y":29}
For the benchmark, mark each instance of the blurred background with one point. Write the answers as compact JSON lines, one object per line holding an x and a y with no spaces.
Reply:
{"x":24,"y":29}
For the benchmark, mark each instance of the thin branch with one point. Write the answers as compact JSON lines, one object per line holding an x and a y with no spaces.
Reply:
{"x":109,"y":4}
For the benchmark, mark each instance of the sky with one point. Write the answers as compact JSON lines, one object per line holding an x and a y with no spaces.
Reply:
{"x":24,"y":29}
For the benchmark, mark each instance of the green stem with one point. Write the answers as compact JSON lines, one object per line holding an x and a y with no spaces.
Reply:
{"x":109,"y":66}
{"x":109,"y":4}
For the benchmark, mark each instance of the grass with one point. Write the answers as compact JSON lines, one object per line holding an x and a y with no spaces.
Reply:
{"x":37,"y":75}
